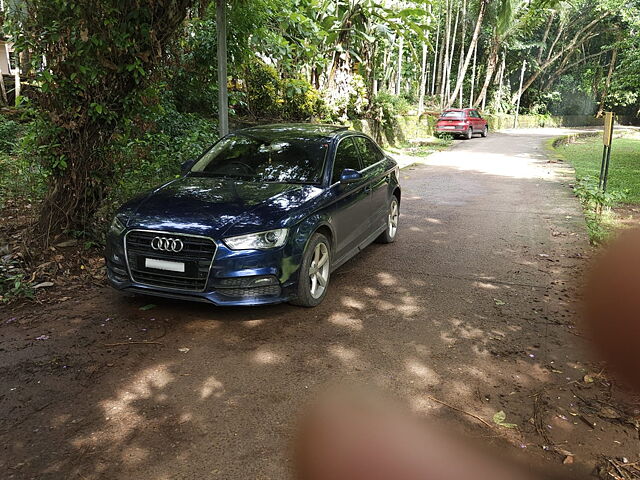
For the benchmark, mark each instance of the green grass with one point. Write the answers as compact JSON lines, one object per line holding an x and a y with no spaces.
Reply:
{"x":624,"y":169}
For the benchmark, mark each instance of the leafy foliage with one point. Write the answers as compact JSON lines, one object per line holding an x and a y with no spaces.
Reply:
{"x":100,"y":55}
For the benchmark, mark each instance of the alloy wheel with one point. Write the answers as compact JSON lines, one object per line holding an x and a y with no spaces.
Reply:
{"x":392,"y":221}
{"x":319,"y":270}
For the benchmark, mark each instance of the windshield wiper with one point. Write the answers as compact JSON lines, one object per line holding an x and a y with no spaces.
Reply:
{"x":293,"y":182}
{"x":219,"y":175}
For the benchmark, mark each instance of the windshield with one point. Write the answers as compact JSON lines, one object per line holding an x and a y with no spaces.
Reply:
{"x":457,"y":115}
{"x":282,"y":160}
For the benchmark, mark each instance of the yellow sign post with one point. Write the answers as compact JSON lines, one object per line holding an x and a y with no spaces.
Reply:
{"x":608,"y":129}
{"x":607,"y":137}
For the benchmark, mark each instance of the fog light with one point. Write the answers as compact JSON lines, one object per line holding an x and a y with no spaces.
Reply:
{"x":263,"y":281}
{"x":247,"y":282}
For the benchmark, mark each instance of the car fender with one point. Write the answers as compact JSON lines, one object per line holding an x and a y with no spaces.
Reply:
{"x":305,"y":229}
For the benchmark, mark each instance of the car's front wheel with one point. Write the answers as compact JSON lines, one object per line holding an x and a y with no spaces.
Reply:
{"x":389,"y":235}
{"x":315,"y":271}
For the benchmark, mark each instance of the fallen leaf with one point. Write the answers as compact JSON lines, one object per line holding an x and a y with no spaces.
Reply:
{"x":68,"y":243}
{"x":183,"y":349}
{"x":44,"y":285}
{"x":147,"y":307}
{"x":608,"y":412}
{"x":499,"y":419}
{"x":499,"y":302}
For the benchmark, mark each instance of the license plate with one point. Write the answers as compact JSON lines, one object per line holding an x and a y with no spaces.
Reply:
{"x":164,"y":265}
{"x":448,"y":127}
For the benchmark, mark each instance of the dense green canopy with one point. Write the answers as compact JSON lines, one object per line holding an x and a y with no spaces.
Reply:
{"x":115,"y":87}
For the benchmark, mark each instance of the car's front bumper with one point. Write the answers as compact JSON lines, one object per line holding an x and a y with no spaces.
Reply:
{"x":234,"y":278}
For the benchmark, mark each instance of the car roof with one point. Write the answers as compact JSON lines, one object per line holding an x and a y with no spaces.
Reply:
{"x":288,"y":130}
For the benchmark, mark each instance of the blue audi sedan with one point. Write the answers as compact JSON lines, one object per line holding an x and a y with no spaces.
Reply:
{"x":262,"y":217}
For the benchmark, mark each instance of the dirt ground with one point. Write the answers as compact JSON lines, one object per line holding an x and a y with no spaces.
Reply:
{"x":475,"y":305}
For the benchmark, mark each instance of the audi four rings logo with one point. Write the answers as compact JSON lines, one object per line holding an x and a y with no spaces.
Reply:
{"x":167,"y":244}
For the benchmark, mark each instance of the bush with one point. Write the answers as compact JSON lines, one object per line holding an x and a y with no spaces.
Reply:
{"x":597,"y":208}
{"x":263,"y":89}
{"x":10,"y":135}
{"x":358,"y":100}
{"x":301,"y":100}
{"x":384,"y":109}
{"x":22,"y":176}
{"x":148,"y":159}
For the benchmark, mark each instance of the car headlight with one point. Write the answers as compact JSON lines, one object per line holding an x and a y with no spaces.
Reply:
{"x":118,"y":224}
{"x":258,"y":241}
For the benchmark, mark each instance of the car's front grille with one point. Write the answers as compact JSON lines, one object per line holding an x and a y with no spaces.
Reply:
{"x":196,"y":255}
{"x":268,"y":291}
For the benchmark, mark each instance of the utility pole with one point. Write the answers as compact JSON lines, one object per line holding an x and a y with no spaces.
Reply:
{"x":223,"y":97}
{"x":515,"y":118}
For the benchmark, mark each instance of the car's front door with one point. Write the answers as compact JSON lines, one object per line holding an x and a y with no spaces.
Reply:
{"x":351,"y":211}
{"x":378,"y":181}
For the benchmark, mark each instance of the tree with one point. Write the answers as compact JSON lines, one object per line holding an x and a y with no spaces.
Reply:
{"x":472,"y":45}
{"x":100,"y":57}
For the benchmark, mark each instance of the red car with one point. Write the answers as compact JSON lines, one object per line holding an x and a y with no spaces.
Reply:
{"x":464,"y":122}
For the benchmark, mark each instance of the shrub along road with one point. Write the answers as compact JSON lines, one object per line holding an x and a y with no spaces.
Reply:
{"x":474,"y":305}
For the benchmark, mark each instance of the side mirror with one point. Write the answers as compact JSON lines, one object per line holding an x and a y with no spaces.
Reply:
{"x":186,"y":166}
{"x":349,"y":175}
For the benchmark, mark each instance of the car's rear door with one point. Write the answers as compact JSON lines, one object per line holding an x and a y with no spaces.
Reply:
{"x":475,"y":120}
{"x":374,"y":171}
{"x":350,"y":213}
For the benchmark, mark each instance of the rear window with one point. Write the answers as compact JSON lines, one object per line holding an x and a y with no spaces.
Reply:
{"x":453,"y":115}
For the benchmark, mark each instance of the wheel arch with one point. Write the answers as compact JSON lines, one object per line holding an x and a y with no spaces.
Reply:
{"x":316,"y":224}
{"x":397,"y":193}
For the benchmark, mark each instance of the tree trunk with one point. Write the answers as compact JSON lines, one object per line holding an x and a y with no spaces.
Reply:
{"x":3,"y":91}
{"x":423,"y":80}
{"x":444,"y":61}
{"x":492,"y":60}
{"x":612,"y":66}
{"x":434,"y":73}
{"x":473,"y":74}
{"x":462,"y":39}
{"x":472,"y":44}
{"x":503,"y":66}
{"x":399,"y":73}
{"x":17,"y":85}
{"x":452,"y":52}
{"x":223,"y":97}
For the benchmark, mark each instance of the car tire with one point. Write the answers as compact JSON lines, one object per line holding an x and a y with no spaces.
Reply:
{"x":310,"y":291}
{"x":469,"y":134}
{"x":485,"y":132}
{"x":393,"y":214}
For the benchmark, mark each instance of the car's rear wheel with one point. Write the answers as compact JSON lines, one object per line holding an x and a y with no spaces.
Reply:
{"x":315,"y":271}
{"x":485,"y":131}
{"x":469,"y":134}
{"x":389,"y":235}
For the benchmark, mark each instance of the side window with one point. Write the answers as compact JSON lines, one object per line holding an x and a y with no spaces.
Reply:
{"x":369,"y":152}
{"x":346,"y":157}
{"x":474,"y":114}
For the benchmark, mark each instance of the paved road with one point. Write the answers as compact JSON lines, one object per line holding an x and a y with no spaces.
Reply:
{"x":470,"y":305}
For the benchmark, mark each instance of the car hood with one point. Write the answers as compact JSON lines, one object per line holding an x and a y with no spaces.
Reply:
{"x":214,"y":206}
